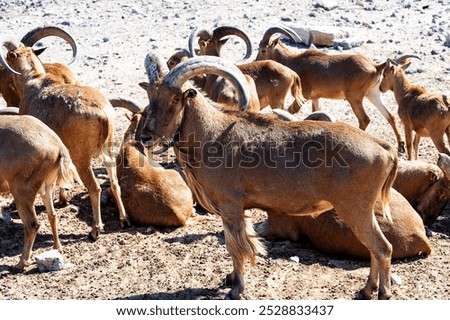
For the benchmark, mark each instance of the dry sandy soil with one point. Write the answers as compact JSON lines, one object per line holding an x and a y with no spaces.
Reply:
{"x":191,"y":262}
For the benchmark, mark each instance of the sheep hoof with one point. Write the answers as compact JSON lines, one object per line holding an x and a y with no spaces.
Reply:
{"x":362,"y":296}
{"x":18,"y":268}
{"x":125,"y":223}
{"x":232,"y":295}
{"x":94,"y":234}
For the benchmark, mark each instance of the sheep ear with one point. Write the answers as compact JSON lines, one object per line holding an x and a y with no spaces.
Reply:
{"x":37,"y":52}
{"x":406,"y":65}
{"x":144,"y":85}
{"x":189,"y":94}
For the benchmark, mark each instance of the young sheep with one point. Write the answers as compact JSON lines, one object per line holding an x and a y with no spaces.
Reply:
{"x":426,"y":114}
{"x":32,"y":160}
{"x":151,"y":194}
{"x":334,"y":76}
{"x":330,"y":234}
{"x":80,"y":115}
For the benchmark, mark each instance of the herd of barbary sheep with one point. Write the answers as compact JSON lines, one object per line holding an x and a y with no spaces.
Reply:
{"x":53,"y":126}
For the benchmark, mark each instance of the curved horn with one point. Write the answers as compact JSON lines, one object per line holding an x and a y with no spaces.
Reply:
{"x":213,"y":65}
{"x":399,"y":60}
{"x":155,"y":67}
{"x":202,"y":33}
{"x":224,"y":31}
{"x":177,"y":57}
{"x":3,"y":61}
{"x":278,"y":29}
{"x":41,"y":32}
{"x":128,"y":104}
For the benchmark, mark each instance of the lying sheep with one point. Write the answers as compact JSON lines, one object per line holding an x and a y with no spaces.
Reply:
{"x":151,"y":194}
{"x":427,"y":114}
{"x":32,"y":160}
{"x":330,"y":234}
{"x":426,"y":186}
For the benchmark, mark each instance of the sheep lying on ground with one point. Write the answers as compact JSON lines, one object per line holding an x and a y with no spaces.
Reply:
{"x":426,"y":114}
{"x":426,"y":186}
{"x":151,"y":194}
{"x":330,"y":234}
{"x":32,"y":160}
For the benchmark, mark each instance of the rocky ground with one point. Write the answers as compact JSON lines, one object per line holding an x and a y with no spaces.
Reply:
{"x":191,"y":262}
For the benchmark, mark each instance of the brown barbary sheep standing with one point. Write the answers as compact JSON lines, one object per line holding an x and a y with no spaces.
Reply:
{"x":152,"y":195}
{"x":248,"y":161}
{"x":427,"y":114}
{"x":352,"y":77}
{"x":32,"y":160}
{"x":81,"y":116}
{"x":330,"y":234}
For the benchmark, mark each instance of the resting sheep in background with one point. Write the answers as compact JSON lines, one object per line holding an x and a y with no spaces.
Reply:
{"x":152,"y":195}
{"x":32,"y":160}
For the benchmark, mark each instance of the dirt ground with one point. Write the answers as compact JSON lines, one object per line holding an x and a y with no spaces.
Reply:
{"x":191,"y":262}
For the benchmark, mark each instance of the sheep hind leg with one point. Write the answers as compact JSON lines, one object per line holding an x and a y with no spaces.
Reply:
{"x":361,"y":115}
{"x":25,"y":206}
{"x":47,"y":199}
{"x":242,"y":244}
{"x":90,"y":182}
{"x":365,"y":226}
{"x":416,"y":146}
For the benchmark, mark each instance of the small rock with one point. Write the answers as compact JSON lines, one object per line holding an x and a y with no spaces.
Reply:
{"x":73,"y":209}
{"x":395,"y":279}
{"x":5,"y":215}
{"x":326,"y":4}
{"x":295,"y":259}
{"x":50,"y":260}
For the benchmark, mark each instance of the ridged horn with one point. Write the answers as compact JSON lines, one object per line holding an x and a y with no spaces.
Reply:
{"x":198,"y":33}
{"x":39,"y":33}
{"x":155,"y":67}
{"x":224,"y":31}
{"x":210,"y":65}
{"x":3,"y":61}
{"x":399,"y":60}
{"x":128,"y":104}
{"x":279,"y":29}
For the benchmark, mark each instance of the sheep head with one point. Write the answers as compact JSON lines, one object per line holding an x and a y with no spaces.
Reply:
{"x":266,"y":45}
{"x":211,"y":42}
{"x":391,"y":68}
{"x":169,"y":92}
{"x":433,"y":201}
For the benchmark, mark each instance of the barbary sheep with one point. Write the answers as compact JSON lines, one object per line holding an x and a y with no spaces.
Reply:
{"x":235,"y":161}
{"x":273,"y":81}
{"x":427,"y":114}
{"x":330,"y":234}
{"x":81,"y":116}
{"x":426,"y":186}
{"x":152,"y":195}
{"x":32,"y":160}
{"x":60,"y":72}
{"x":334,"y":76}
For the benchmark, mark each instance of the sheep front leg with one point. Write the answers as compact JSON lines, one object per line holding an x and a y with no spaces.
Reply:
{"x":242,"y":244}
